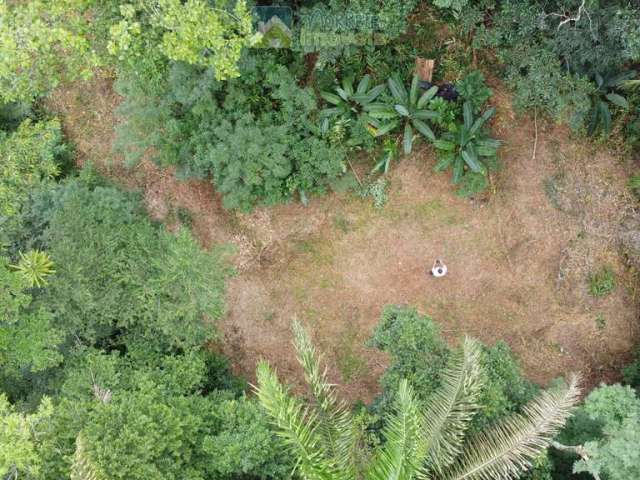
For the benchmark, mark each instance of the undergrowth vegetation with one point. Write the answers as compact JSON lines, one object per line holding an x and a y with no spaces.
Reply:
{"x":109,"y":319}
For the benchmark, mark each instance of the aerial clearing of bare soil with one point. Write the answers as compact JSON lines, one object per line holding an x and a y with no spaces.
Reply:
{"x":518,"y":260}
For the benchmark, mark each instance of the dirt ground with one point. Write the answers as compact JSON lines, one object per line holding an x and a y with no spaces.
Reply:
{"x":519,"y":259}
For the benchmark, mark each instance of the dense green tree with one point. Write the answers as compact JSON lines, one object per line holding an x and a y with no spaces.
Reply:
{"x":28,"y":337}
{"x":420,"y":441}
{"x":41,"y":43}
{"x":117,"y":273}
{"x":209,"y":34}
{"x":29,"y":156}
{"x":419,"y":354}
{"x":606,"y":429}
{"x":19,"y":438}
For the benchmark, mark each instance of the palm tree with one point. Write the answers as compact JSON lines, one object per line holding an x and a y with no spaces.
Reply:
{"x":420,"y":441}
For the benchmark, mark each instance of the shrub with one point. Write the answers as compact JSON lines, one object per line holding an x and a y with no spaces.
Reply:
{"x":472,"y":89}
{"x":407,"y":109}
{"x":469,"y":151}
{"x":256,"y":135}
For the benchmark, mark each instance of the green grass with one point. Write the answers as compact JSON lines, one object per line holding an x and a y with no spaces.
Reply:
{"x":602,"y":282}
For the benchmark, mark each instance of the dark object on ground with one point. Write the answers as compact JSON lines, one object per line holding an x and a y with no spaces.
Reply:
{"x":447,"y":90}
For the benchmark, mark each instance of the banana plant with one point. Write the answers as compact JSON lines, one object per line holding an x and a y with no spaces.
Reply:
{"x":468,"y":149}
{"x":349,"y":104}
{"x":406,"y":108}
{"x":599,"y":116}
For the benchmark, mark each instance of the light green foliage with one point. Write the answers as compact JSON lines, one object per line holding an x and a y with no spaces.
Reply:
{"x":19,"y":437}
{"x":602,"y":282}
{"x":256,"y":135}
{"x":469,"y":151}
{"x":613,"y":455}
{"x":421,"y":440}
{"x":407,"y":109}
{"x":35,"y":266}
{"x":196,"y":32}
{"x":28,"y":157}
{"x":166,"y":284}
{"x":41,"y":43}
{"x":28,"y":337}
{"x":473,"y":89}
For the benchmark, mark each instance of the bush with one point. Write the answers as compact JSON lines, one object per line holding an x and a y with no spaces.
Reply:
{"x":256,"y":135}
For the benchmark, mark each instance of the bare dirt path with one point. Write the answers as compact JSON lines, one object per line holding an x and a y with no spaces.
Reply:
{"x":518,"y":261}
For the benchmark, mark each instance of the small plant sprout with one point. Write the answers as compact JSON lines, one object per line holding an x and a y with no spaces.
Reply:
{"x":602,"y":282}
{"x":35,"y":266}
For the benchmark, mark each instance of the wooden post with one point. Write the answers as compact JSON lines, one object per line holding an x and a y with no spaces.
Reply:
{"x":424,"y":68}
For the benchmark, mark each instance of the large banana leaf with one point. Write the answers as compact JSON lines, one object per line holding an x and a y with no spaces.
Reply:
{"x":425,"y":115}
{"x":363,"y":85}
{"x":618,"y":100}
{"x":424,"y":129}
{"x":402,"y":110}
{"x":407,"y":141}
{"x":413,"y":93}
{"x":347,"y":85}
{"x":397,"y":90}
{"x":444,"y":145}
{"x":331,"y":98}
{"x":343,"y":94}
{"x":458,"y":169}
{"x":605,"y":115}
{"x":480,"y":121}
{"x":381,"y":110}
{"x":467,"y":113}
{"x":471,"y":159}
{"x":426,"y":96}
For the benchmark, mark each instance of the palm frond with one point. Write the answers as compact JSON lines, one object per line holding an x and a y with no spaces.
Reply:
{"x":296,"y":425}
{"x":82,"y":467}
{"x":404,"y":450}
{"x":452,"y":407}
{"x":335,"y":422}
{"x":507,"y":449}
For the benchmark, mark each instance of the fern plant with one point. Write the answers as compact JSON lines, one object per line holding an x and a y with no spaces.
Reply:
{"x":405,"y":108}
{"x":468,"y":150}
{"x":427,"y":442}
{"x":599,"y":116}
{"x":35,"y":266}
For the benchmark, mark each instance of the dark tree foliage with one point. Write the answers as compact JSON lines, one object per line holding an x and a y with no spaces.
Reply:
{"x":419,"y":353}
